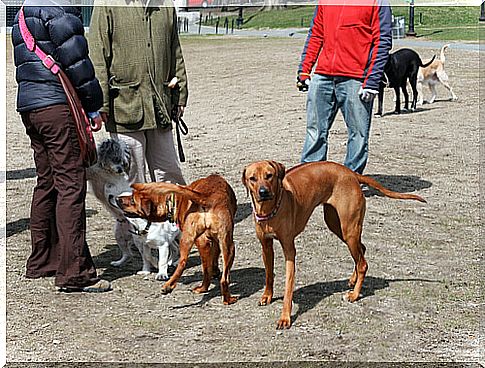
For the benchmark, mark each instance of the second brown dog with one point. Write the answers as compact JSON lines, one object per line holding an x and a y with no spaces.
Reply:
{"x":284,"y":201}
{"x":205,"y":212}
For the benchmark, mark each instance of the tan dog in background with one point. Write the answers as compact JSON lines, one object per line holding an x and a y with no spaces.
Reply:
{"x":205,"y":212}
{"x":284,"y":201}
{"x":433,"y":75}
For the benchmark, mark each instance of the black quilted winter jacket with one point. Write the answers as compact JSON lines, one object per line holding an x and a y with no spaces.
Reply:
{"x":58,"y":31}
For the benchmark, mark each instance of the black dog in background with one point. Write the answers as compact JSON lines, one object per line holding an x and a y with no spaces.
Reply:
{"x":401,"y":66}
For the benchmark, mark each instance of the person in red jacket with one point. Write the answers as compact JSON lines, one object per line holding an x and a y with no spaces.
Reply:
{"x":347,"y":45}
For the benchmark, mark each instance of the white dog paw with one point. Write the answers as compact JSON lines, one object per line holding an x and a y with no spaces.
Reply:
{"x":161,"y":277}
{"x":118,"y":263}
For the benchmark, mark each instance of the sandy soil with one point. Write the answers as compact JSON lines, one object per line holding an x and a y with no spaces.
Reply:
{"x":421,"y":295}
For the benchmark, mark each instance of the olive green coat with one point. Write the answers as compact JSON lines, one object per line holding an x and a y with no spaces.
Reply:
{"x":136,"y":52}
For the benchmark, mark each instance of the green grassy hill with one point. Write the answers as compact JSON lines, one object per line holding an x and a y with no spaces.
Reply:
{"x":436,"y":23}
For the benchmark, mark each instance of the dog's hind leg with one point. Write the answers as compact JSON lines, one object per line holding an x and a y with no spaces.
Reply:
{"x":186,"y":244}
{"x":398,"y":101}
{"x":204,"y":246}
{"x":226,"y":243}
{"x":380,"y":100}
{"x":412,"y":82}
{"x":357,"y":251}
{"x":443,"y":78}
{"x":432,"y":88}
{"x":406,"y":96}
{"x":419,"y":87}
{"x":348,"y":227}
{"x":124,"y":240}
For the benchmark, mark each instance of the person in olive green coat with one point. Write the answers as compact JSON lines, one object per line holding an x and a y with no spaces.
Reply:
{"x":138,"y":60}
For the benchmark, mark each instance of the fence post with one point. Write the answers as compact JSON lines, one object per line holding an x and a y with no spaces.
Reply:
{"x":232,"y":26}
{"x":200,"y":22}
{"x":226,"y":25}
{"x":217,"y":25}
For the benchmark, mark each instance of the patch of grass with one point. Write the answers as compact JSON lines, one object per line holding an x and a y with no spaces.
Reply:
{"x":443,"y":23}
{"x":290,"y":17}
{"x":431,"y":22}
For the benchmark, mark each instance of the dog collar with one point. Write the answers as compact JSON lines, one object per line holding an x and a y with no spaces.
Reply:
{"x":273,"y":213}
{"x":171,"y":209}
{"x":141,"y":232}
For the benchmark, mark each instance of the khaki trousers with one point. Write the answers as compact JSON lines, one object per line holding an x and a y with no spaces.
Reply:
{"x":153,"y":148}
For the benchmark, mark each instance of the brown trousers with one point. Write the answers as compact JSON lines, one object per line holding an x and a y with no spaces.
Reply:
{"x":58,"y":213}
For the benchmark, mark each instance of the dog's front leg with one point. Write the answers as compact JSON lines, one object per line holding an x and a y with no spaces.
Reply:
{"x":186,"y":243}
{"x":268,"y":259}
{"x":124,"y":240}
{"x":163,"y":253}
{"x":146,"y":256}
{"x":290,"y":254}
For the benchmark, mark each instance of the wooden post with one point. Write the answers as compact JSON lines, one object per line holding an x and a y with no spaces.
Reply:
{"x":200,"y":22}
{"x":217,"y":25}
{"x":226,"y":25}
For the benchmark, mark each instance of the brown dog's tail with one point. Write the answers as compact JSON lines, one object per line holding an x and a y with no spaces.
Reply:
{"x":167,"y":188}
{"x":428,"y":63}
{"x":387,"y":192}
{"x":442,"y":53}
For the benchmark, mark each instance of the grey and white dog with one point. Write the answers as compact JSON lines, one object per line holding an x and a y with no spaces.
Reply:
{"x":108,"y":178}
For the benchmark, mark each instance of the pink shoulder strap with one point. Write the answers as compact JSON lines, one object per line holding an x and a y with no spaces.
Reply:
{"x":47,"y":60}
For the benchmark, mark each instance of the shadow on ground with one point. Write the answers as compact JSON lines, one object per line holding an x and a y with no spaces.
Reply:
{"x":397,"y":183}
{"x":21,"y":174}
{"x":20,"y":225}
{"x":308,"y":297}
{"x":132,"y":266}
{"x":244,"y":210}
{"x":244,"y":283}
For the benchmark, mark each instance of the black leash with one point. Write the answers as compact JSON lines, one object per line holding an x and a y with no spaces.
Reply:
{"x":180,"y":128}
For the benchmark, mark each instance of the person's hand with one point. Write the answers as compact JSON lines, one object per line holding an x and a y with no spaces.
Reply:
{"x":96,"y":123}
{"x":180,"y":111}
{"x":303,"y":82}
{"x":367,"y":95}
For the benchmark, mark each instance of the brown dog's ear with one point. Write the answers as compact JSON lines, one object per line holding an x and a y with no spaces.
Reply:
{"x":280,"y":169}
{"x":244,"y":181}
{"x":138,"y":186}
{"x":146,"y":207}
{"x":243,"y":177}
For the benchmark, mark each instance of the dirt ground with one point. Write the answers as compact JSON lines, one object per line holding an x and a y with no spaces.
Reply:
{"x":421,"y":296}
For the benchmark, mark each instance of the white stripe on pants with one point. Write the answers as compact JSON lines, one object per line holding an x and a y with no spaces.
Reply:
{"x":155,"y":148}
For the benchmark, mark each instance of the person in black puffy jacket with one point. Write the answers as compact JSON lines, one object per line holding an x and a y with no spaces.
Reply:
{"x":58,"y":214}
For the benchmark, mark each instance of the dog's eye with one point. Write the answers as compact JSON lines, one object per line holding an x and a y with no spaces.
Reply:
{"x":269,"y":176}
{"x":253,"y":179}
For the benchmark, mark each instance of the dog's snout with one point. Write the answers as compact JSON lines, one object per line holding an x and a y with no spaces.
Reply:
{"x":119,"y":202}
{"x":264,"y":192}
{"x":119,"y":170}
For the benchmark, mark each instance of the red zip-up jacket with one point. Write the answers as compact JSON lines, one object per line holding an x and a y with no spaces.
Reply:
{"x":349,"y":40}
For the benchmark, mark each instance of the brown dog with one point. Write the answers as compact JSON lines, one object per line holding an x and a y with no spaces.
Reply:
{"x":284,"y":201}
{"x":204,"y":210}
{"x":432,"y":75}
